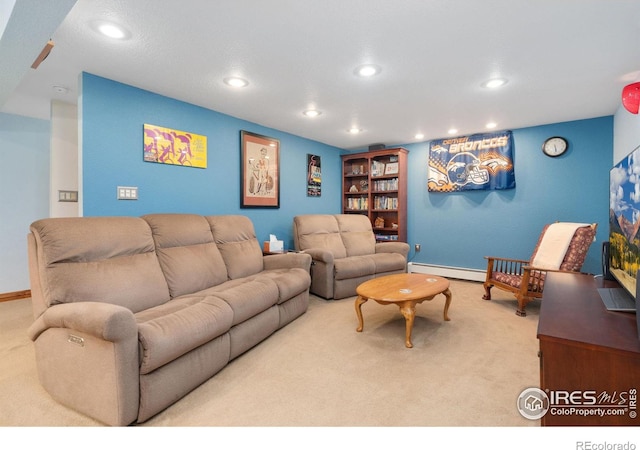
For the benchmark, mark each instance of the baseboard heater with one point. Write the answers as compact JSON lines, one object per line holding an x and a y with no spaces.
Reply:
{"x":448,"y":272}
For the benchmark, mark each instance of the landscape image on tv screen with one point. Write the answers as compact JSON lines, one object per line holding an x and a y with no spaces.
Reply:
{"x":624,"y":220}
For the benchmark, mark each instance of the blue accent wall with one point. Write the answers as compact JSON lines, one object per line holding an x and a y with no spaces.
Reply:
{"x":455,"y":230}
{"x":460,"y":229}
{"x":113,"y":115}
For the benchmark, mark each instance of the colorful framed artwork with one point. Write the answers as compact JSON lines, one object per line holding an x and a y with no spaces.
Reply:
{"x":260,"y":171}
{"x":179,"y":148}
{"x":314,"y":176}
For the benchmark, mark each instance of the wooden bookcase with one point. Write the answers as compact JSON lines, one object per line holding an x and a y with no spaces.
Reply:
{"x":374,"y":184}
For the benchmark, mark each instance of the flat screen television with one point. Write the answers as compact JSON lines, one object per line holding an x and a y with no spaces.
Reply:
{"x":624,"y":221}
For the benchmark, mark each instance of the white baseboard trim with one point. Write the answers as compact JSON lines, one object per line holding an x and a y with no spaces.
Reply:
{"x":447,"y":272}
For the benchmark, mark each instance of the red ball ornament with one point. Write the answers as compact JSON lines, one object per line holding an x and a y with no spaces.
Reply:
{"x":631,"y":97}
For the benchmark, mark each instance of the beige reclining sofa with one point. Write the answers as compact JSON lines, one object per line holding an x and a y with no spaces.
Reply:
{"x":133,"y":313}
{"x":345,"y":252}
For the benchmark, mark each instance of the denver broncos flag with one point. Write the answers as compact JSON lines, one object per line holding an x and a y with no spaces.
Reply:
{"x":476,"y":162}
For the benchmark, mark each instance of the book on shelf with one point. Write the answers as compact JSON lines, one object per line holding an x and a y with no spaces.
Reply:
{"x":386,"y":237}
{"x":377,"y":168}
{"x":361,"y":203}
{"x":386,"y":185}
{"x":384,"y":202}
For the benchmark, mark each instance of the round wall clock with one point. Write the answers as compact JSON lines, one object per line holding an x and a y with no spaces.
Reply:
{"x":555,"y":146}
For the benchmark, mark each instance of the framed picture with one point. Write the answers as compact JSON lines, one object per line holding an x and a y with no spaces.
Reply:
{"x":314,"y":176}
{"x":260,"y":171}
{"x":391,"y":169}
{"x":179,"y":148}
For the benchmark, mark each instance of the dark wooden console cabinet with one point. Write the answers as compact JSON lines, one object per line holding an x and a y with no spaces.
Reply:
{"x":585,"y":348}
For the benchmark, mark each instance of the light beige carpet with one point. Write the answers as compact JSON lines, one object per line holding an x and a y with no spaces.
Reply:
{"x":318,"y":371}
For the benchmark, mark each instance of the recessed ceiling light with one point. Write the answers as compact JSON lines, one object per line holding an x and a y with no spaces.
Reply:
{"x":452,"y":131}
{"x":236,"y":82}
{"x":419,"y":136}
{"x":111,"y":30}
{"x":367,"y":70}
{"x":494,"y":83}
{"x":354,"y":130}
{"x":491,"y":125}
{"x":60,"y":89}
{"x":312,"y":113}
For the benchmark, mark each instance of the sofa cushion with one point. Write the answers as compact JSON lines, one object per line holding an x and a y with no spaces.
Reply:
{"x":188,"y":255}
{"x":353,"y":267}
{"x":249,"y":298}
{"x":389,"y":262}
{"x":177,"y":327}
{"x":99,"y":259}
{"x":516,"y":280}
{"x":357,"y":235}
{"x":319,"y":231}
{"x":237,"y":242}
{"x":290,"y":282}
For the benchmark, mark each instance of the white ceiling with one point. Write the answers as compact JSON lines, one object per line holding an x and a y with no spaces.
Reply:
{"x":564,"y":60}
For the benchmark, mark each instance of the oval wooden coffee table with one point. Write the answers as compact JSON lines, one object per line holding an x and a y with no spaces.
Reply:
{"x":404,"y":290}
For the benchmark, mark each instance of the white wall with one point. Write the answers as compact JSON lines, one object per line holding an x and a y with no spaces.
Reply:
{"x":626,"y":133}
{"x":24,"y":183}
{"x":39,"y":158}
{"x":64,"y":157}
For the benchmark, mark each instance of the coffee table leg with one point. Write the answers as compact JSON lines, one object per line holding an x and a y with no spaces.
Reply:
{"x":447,"y":294}
{"x":408,"y":310}
{"x":359,"y":301}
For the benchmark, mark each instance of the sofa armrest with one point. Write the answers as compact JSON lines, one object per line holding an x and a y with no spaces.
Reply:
{"x":288,"y":261}
{"x":505,"y":265}
{"x":96,"y":371}
{"x":322,"y":271}
{"x":393,"y":247}
{"x":320,"y":254}
{"x":104,"y":321}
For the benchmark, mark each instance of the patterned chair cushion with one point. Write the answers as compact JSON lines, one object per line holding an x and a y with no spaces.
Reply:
{"x":578,"y":248}
{"x":507,"y":278}
{"x":516,"y":280}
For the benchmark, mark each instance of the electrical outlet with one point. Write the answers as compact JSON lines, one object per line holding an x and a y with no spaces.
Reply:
{"x":417,"y":248}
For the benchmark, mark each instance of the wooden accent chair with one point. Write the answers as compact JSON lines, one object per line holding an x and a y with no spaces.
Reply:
{"x":561,"y":247}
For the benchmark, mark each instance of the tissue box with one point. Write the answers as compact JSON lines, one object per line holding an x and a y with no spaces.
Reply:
{"x":273,"y":246}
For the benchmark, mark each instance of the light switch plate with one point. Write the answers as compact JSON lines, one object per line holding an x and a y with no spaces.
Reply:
{"x":127,"y":193}
{"x":67,"y":196}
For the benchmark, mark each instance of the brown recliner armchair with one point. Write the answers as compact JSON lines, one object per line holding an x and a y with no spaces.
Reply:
{"x":561,"y":247}
{"x":345,"y":253}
